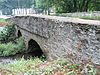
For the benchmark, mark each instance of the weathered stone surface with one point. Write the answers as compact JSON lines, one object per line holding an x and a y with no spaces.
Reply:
{"x":61,"y":37}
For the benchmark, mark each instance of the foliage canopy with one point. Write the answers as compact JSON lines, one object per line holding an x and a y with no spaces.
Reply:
{"x":59,"y":5}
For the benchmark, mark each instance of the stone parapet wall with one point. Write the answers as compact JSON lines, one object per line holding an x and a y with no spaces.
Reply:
{"x":60,"y":37}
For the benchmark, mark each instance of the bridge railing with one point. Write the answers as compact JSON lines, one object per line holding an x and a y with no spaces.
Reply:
{"x":23,"y":11}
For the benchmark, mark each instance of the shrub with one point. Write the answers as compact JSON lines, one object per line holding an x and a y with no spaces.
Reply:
{"x":7,"y":33}
{"x":10,"y":48}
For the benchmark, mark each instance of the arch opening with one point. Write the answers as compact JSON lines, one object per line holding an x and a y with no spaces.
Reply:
{"x":34,"y":49}
{"x":19,"y":34}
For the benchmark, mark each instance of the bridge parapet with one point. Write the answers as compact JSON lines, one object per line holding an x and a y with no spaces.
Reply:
{"x":62,"y":37}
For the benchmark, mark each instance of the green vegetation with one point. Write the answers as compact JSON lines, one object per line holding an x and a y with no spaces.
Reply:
{"x":90,"y":17}
{"x":9,"y":45}
{"x":7,"y":5}
{"x":8,"y":33}
{"x":10,"y":48}
{"x":63,"y":6}
{"x":81,"y":17}
{"x":60,"y":6}
{"x":38,"y":67}
{"x":3,"y":20}
{"x":43,"y":5}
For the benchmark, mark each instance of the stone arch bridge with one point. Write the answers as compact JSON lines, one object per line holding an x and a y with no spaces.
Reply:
{"x":60,"y":37}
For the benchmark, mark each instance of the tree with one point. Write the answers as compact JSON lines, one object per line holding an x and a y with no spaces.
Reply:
{"x":61,"y":6}
{"x":76,"y":5}
{"x":7,"y":5}
{"x":94,"y":5}
{"x":43,"y":5}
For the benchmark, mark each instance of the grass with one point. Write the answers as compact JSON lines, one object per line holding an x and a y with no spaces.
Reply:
{"x":21,"y":66}
{"x":38,"y":67}
{"x":3,"y":22}
{"x":91,"y":17}
{"x":81,"y":17}
{"x":10,"y":48}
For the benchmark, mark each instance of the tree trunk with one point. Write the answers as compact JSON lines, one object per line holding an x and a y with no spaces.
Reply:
{"x":75,"y":5}
{"x":87,"y":4}
{"x":83,"y":5}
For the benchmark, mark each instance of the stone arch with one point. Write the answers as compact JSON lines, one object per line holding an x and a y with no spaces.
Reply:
{"x":19,"y":34}
{"x":34,"y":48}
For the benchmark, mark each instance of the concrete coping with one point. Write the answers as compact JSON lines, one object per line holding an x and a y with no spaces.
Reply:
{"x":65,"y":19}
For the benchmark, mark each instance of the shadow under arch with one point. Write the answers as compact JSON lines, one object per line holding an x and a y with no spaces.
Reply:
{"x":34,"y":49}
{"x":19,"y":34}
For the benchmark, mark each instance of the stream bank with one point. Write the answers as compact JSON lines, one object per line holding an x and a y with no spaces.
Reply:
{"x":12,"y":58}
